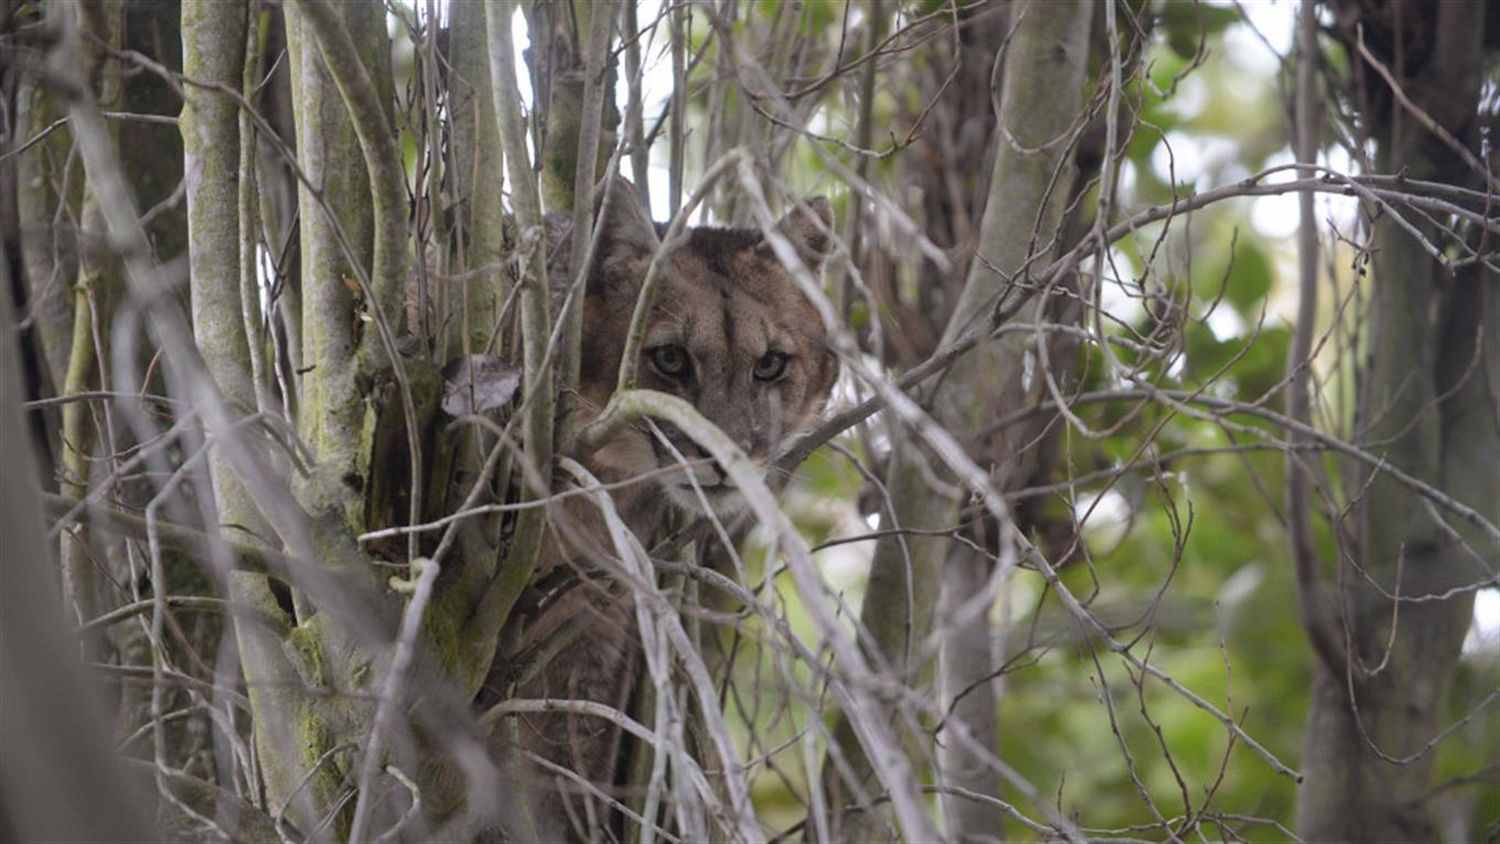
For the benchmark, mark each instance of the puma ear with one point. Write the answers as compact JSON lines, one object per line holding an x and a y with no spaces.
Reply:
{"x":809,"y":226}
{"x":628,"y":230}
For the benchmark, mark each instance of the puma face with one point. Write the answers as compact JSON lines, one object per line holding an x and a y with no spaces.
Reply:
{"x":729,"y":332}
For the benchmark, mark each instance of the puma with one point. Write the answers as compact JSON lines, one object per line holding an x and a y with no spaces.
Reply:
{"x":732,"y":334}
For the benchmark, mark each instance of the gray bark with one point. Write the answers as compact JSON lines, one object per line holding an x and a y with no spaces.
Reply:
{"x":1041,"y":98}
{"x":95,"y":292}
{"x":968,"y":693}
{"x":1428,"y":412}
{"x":48,"y":237}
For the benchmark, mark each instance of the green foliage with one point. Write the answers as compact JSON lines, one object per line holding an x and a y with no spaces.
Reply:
{"x":1248,"y":276}
{"x":1190,"y":553}
{"x":1185,"y":25}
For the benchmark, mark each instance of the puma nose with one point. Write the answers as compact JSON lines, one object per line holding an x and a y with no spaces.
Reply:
{"x":705,"y":469}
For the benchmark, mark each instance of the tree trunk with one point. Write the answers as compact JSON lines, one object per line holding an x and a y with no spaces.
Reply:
{"x":1427,"y":406}
{"x":214,"y":49}
{"x":95,"y":292}
{"x":1041,"y":98}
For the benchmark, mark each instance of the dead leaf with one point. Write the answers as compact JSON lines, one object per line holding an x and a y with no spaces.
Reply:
{"x":478,"y":383}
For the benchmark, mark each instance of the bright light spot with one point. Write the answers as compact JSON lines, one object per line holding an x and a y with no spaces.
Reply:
{"x":656,"y":64}
{"x":1280,"y":158}
{"x":265,"y":275}
{"x":440,"y":8}
{"x":1119,"y":301}
{"x":820,"y":123}
{"x":847,"y":566}
{"x":656,"y":92}
{"x":1225,"y":323}
{"x":1127,"y":178}
{"x":1104,"y":518}
{"x":1342,"y":210}
{"x":1194,"y":159}
{"x":846,"y":393}
{"x":1337,"y":158}
{"x":1275,"y":217}
{"x":660,"y":180}
{"x":1484,"y":633}
{"x":1276,"y":22}
{"x":520,"y":39}
{"x":1188,"y":100}
{"x":1217,"y":153}
{"x":1177,"y":159}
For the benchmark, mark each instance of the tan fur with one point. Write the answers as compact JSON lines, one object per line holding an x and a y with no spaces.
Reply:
{"x":726,"y":301}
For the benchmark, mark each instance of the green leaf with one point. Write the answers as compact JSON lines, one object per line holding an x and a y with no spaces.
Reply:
{"x":1264,"y":363}
{"x":1250,"y":277}
{"x":1206,"y":354}
{"x":1187,"y":24}
{"x":1242,"y":274}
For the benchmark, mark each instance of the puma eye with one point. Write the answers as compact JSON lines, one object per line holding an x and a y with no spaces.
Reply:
{"x":671,"y":361}
{"x":770,"y":366}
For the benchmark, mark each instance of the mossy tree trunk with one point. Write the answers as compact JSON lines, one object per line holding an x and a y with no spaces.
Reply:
{"x":214,"y":39}
{"x":95,"y":292}
{"x":559,"y":59}
{"x":347,"y":409}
